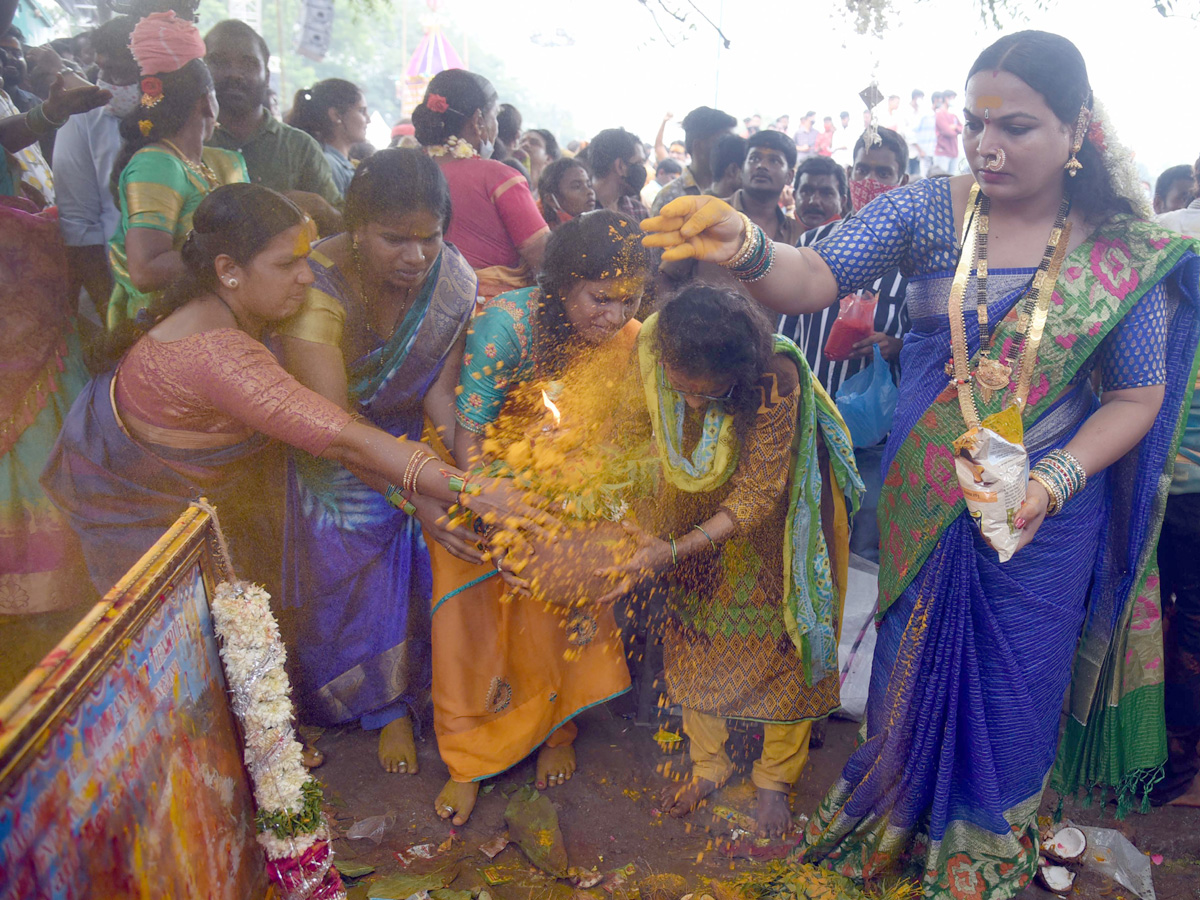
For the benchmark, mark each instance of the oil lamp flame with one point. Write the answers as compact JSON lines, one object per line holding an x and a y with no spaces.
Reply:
{"x":549,"y":404}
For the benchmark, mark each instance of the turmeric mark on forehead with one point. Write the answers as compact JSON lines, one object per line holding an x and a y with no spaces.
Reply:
{"x":304,"y":238}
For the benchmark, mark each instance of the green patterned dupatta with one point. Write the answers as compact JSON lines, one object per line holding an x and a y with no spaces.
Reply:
{"x":1116,"y":735}
{"x":812,"y":605}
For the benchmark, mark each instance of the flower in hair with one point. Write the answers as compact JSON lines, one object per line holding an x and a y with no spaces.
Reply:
{"x":1095,"y":134}
{"x":152,"y":91}
{"x":437,"y":103}
{"x":145,"y":126}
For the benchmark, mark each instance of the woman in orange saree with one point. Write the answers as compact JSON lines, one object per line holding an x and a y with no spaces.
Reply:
{"x":510,"y":673}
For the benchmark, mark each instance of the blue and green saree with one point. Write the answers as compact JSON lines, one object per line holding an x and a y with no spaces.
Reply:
{"x":974,"y":656}
{"x":356,"y":570}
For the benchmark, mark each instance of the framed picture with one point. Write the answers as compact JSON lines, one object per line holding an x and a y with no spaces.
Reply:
{"x":121,"y":769}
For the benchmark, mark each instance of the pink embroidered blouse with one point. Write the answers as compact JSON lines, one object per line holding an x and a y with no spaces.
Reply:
{"x":220,"y":384}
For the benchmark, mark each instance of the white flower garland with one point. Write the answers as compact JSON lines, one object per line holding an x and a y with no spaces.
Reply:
{"x":455,"y":147}
{"x":1118,"y":161}
{"x":253,"y":654}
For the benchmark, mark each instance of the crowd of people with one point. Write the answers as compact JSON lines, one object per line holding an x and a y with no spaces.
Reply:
{"x":354,"y":355}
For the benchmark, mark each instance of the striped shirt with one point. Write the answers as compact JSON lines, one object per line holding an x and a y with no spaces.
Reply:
{"x":811,"y":331}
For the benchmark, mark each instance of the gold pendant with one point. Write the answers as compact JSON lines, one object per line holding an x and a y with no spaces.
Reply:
{"x":992,"y":375}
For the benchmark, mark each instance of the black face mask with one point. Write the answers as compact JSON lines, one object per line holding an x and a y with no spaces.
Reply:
{"x":635,"y":177}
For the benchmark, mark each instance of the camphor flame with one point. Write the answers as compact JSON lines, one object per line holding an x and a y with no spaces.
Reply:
{"x":549,"y":404}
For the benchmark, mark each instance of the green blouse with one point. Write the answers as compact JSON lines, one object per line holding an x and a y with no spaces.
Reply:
{"x":499,"y":353}
{"x":157,"y":190}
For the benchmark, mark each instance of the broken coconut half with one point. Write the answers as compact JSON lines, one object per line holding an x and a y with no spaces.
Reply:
{"x":1066,"y":846}
{"x":1056,"y":879}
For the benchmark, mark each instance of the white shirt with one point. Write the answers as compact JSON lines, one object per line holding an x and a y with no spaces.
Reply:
{"x":841,"y":146}
{"x":85,"y":150}
{"x":897,"y":121}
{"x":1185,"y":221}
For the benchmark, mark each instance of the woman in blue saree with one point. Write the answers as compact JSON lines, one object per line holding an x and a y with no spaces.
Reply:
{"x":974,"y":654}
{"x":381,"y":333}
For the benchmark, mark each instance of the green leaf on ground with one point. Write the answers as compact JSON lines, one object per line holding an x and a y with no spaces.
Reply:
{"x":533,"y":826}
{"x":400,"y":887}
{"x":352,"y":869}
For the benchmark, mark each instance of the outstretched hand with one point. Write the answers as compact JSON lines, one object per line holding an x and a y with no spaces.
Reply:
{"x":500,"y":502}
{"x":436,"y":523}
{"x":702,"y":228}
{"x":651,"y":558}
{"x":64,"y":102}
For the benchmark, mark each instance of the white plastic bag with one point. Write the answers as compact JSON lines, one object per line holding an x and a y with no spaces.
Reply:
{"x":370,"y":828}
{"x":993,"y":474}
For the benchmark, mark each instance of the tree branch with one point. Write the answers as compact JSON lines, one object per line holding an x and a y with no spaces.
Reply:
{"x":715,"y":26}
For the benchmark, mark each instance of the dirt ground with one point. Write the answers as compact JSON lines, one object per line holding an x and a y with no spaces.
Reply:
{"x":609,"y":819}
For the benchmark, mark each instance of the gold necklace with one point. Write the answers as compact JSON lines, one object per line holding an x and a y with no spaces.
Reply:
{"x":369,"y":300}
{"x":207,"y":175}
{"x":995,"y":374}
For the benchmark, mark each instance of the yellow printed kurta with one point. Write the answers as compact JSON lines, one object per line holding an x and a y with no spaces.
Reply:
{"x":726,"y":647}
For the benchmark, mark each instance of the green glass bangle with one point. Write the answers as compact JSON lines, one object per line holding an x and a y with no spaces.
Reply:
{"x":39,"y":123}
{"x":707,"y":535}
{"x":674,"y":552}
{"x":395,"y":496}
{"x":460,"y":485}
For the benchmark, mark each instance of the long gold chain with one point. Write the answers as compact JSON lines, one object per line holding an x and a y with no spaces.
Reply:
{"x":370,"y":299}
{"x":207,"y":175}
{"x":995,"y":374}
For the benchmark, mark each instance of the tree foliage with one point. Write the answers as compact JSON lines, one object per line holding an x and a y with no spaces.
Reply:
{"x":367,"y":50}
{"x":676,"y":20}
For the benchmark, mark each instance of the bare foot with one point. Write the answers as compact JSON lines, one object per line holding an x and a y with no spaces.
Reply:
{"x":555,"y":766}
{"x":1191,"y":797}
{"x":457,"y":799}
{"x":774,"y":816}
{"x":311,"y":757}
{"x":678,"y":802}
{"x":397,"y":751}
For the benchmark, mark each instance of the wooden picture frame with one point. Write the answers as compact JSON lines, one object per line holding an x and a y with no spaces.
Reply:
{"x":121,"y":770}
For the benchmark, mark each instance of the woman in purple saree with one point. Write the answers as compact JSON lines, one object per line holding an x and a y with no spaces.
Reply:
{"x":974,"y":654}
{"x":383,"y":320}
{"x":198,"y":404}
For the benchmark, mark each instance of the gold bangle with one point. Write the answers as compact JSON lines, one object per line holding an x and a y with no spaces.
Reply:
{"x":747,"y":243}
{"x":413,"y":462}
{"x":1056,"y":499}
{"x":417,"y":473}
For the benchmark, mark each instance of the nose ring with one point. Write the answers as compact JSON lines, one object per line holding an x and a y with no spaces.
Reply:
{"x":995,"y":161}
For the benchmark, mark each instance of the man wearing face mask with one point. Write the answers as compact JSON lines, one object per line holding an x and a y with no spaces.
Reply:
{"x":618,"y":162}
{"x":84,"y":153}
{"x":277,"y":156}
{"x":878,"y":168}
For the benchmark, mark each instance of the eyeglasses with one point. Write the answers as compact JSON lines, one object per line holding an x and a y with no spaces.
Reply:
{"x":724,"y":398}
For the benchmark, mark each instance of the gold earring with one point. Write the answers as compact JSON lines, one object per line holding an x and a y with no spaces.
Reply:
{"x":1073,"y":165}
